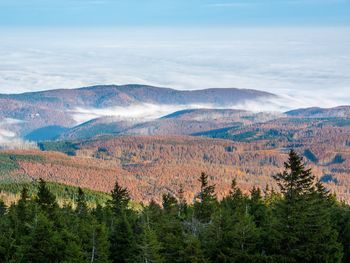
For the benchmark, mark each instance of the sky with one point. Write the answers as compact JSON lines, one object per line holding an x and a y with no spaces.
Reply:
{"x":173,"y":12}
{"x":298,"y":49}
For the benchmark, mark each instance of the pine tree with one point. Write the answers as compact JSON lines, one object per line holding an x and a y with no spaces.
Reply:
{"x":182,"y":213}
{"x":120,"y":199}
{"x":257,"y":207}
{"x":235,"y":192}
{"x":295,"y":181}
{"x":302,"y":221}
{"x":23,"y":203}
{"x":244,"y":237}
{"x":235,"y":200}
{"x":99,"y":244}
{"x":3,"y":208}
{"x":81,"y":203}
{"x":149,"y":245}
{"x":45,"y":198}
{"x":169,"y":203}
{"x":169,"y":230}
{"x":204,"y":206}
{"x":41,"y":243}
{"x":192,"y":251}
{"x":340,"y":216}
{"x":122,"y":240}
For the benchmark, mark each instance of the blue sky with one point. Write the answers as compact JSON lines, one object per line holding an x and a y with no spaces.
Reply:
{"x":173,"y":12}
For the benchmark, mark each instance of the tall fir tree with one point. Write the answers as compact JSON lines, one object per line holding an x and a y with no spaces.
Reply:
{"x":81,"y":208}
{"x":120,"y":198}
{"x":306,"y":233}
{"x":122,"y":239}
{"x":206,"y":200}
{"x":3,"y":208}
{"x":45,"y":198}
{"x":149,"y":245}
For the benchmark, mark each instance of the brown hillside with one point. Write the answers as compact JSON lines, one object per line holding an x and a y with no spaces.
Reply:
{"x":150,"y":166}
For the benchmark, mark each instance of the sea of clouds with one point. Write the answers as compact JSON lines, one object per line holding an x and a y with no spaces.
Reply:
{"x":305,"y":66}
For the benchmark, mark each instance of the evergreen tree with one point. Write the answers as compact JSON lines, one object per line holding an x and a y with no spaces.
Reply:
{"x":235,"y":200}
{"x":303,"y":222}
{"x":100,"y":244}
{"x":170,"y":230}
{"x":149,"y":245}
{"x":182,"y":213}
{"x":235,"y":192}
{"x":340,"y":215}
{"x":81,"y":203}
{"x":169,"y":203}
{"x":120,"y":199}
{"x":257,"y":207}
{"x":41,"y":243}
{"x":3,"y":208}
{"x":45,"y":198}
{"x":295,"y":181}
{"x":206,"y":200}
{"x":244,"y":237}
{"x":23,"y":203}
{"x":192,"y":251}
{"x":123,"y":244}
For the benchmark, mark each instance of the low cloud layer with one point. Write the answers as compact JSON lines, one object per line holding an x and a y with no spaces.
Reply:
{"x":6,"y":135}
{"x":306,"y":66}
{"x":146,"y":112}
{"x":136,"y":113}
{"x":9,"y":139}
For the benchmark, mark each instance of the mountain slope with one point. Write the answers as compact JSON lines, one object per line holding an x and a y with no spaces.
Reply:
{"x":36,"y":110}
{"x":316,"y":112}
{"x":184,"y":122}
{"x":152,"y":165}
{"x":113,"y":95}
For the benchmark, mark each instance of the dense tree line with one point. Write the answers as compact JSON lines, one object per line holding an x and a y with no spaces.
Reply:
{"x":300,"y":223}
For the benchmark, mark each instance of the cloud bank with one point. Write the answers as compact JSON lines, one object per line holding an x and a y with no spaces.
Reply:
{"x":305,"y":66}
{"x":136,"y":113}
{"x":9,"y":139}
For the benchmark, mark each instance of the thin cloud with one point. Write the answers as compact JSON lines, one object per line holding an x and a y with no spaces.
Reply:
{"x":136,"y":113}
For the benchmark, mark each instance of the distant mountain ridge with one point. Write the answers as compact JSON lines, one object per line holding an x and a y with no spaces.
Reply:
{"x":111,"y":95}
{"x":42,"y":109}
{"x":317,"y":112}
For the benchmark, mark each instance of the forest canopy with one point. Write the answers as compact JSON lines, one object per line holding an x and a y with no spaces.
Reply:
{"x":302,"y":222}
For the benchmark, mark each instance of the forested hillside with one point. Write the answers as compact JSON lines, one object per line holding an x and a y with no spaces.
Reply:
{"x":302,"y":222}
{"x":53,"y":111}
{"x":149,"y":166}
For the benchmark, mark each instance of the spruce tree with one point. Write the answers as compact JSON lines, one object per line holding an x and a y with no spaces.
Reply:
{"x":41,"y":243}
{"x":122,"y":240}
{"x":3,"y":208}
{"x":149,"y":246}
{"x":99,"y":244}
{"x":120,"y":199}
{"x":204,"y":205}
{"x":45,"y":198}
{"x":169,"y":203}
{"x":193,"y":252}
{"x":170,"y":230}
{"x":306,"y":233}
{"x":182,"y":212}
{"x":81,"y":203}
